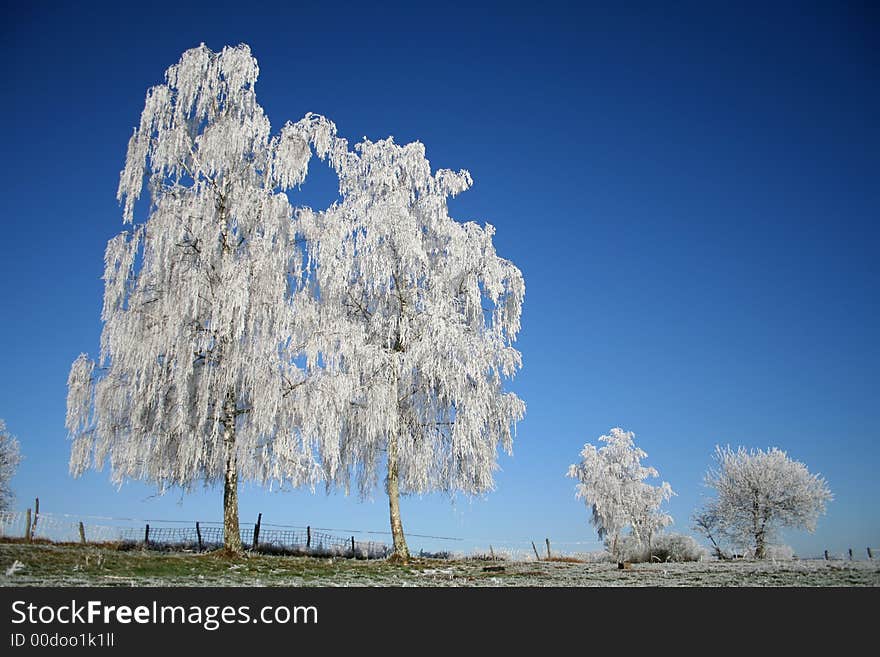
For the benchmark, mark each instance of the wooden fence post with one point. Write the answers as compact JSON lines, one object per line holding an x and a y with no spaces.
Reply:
{"x":870,"y":554}
{"x":537,"y":556}
{"x":36,"y":516}
{"x":27,"y":526}
{"x":199,"y":536}
{"x":82,"y":533}
{"x":826,"y":555}
{"x":491,"y":552}
{"x":257,"y":531}
{"x":308,"y":537}
{"x":850,"y":554}
{"x":147,"y":536}
{"x":549,"y":556}
{"x":352,"y":546}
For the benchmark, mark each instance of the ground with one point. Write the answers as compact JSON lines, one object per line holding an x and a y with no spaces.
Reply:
{"x":75,"y":565}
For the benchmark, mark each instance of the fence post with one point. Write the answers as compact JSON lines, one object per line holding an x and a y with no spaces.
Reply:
{"x":352,"y":546}
{"x":257,"y":531}
{"x":826,"y":555}
{"x":491,"y":552}
{"x":199,"y":535}
{"x":27,"y":526}
{"x":147,"y":536}
{"x":36,"y":516}
{"x":549,"y":556}
{"x":850,"y":554}
{"x":309,"y":537}
{"x":82,"y":533}
{"x":870,"y":554}
{"x":537,"y":556}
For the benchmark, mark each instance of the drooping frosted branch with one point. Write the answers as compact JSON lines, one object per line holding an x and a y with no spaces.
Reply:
{"x":405,"y":346}
{"x":200,"y":316}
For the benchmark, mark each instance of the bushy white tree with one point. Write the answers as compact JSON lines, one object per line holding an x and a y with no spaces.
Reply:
{"x":612,"y":484}
{"x":757,"y":494}
{"x":417,"y":315}
{"x":197,"y":378}
{"x":10,"y":457}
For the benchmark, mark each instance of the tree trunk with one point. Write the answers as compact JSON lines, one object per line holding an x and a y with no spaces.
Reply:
{"x":718,"y":551}
{"x":401,"y":551}
{"x":760,"y":550}
{"x":231,"y":532}
{"x":757,"y":530}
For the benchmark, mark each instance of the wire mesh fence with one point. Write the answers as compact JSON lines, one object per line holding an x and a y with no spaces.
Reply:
{"x":196,"y":536}
{"x":53,"y":528}
{"x":282,"y":539}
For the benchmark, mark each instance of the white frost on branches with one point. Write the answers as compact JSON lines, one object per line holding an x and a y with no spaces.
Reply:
{"x":10,"y":457}
{"x":759,"y":493}
{"x":417,"y":316}
{"x":612,"y":484}
{"x":197,"y":365}
{"x":242,"y":336}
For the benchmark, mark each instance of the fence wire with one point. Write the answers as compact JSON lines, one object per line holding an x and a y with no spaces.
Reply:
{"x":293,"y":540}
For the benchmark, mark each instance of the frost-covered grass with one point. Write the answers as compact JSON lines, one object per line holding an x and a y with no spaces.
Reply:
{"x":74,"y":565}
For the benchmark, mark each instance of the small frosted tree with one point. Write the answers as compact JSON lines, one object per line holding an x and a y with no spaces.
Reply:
{"x":417,"y":317}
{"x":197,"y":377}
{"x":757,"y":494}
{"x":612,"y":484}
{"x":10,"y":457}
{"x":707,"y":522}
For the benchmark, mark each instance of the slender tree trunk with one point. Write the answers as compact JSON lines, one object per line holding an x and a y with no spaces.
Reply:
{"x":401,"y":551}
{"x":231,"y":532}
{"x":718,"y":551}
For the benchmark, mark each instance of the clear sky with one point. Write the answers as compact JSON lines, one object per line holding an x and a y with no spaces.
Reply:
{"x":690,"y":191}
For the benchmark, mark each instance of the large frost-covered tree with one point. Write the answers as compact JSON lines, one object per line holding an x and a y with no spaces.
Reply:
{"x":10,"y":457}
{"x":757,"y":494}
{"x":612,"y":484}
{"x":197,"y":377}
{"x":418,"y":316}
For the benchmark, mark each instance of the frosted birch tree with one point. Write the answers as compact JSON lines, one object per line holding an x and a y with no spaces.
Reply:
{"x":10,"y":457}
{"x":197,"y":378}
{"x":757,"y":494}
{"x":612,"y":484}
{"x":418,"y":316}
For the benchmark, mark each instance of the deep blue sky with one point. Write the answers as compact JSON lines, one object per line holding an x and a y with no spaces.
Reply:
{"x":691,"y":193}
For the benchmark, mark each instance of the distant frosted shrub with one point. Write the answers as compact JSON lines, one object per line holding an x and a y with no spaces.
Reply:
{"x":442,"y":554}
{"x":10,"y":457}
{"x":664,"y":547}
{"x":597,"y":556}
{"x":779,"y":552}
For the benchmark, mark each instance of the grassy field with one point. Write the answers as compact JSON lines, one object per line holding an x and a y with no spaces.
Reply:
{"x":75,"y":565}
